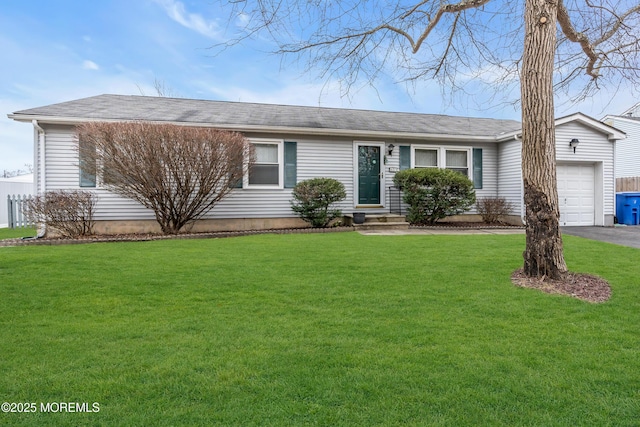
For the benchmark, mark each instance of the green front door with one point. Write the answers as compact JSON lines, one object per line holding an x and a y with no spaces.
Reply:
{"x":368,"y":175}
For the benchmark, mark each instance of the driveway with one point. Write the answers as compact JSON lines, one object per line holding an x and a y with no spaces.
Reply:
{"x":620,"y":235}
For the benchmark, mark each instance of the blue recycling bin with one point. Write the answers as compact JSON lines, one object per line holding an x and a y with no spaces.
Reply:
{"x":628,"y":208}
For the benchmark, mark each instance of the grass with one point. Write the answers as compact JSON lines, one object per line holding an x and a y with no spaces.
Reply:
{"x":331,"y":329}
{"x":12,"y":233}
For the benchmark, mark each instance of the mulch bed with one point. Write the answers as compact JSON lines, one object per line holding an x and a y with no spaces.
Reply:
{"x":585,"y":287}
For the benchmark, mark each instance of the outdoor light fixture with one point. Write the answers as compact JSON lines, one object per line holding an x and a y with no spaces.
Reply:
{"x":390,"y":149}
{"x":574,"y":143}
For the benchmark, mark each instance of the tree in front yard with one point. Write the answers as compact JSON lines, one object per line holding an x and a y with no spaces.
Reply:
{"x":549,"y":45}
{"x":179,"y":172}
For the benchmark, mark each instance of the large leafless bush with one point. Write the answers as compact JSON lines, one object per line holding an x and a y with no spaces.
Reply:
{"x":68,"y":212}
{"x":179,"y":172}
{"x":493,"y":209}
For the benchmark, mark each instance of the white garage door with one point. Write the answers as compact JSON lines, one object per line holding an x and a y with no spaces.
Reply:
{"x":576,"y":194}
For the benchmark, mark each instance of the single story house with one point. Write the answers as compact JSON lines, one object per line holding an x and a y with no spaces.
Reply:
{"x":627,"y":151}
{"x":362,"y":149}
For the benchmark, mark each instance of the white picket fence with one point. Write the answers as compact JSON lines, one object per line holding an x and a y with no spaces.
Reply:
{"x":15,"y":210}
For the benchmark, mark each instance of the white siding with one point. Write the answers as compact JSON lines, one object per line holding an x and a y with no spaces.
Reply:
{"x":61,"y":158}
{"x":595,"y":149}
{"x":627,"y":151}
{"x":489,"y":170}
{"x":510,"y":174}
{"x":315,"y":158}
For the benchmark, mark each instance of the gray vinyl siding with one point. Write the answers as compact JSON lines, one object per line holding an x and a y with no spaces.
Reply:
{"x":61,"y":159}
{"x":327,"y":158}
{"x":627,"y":151}
{"x":510,"y":174}
{"x":489,"y":170}
{"x":594,"y":148}
{"x":316,"y":158}
{"x":63,"y":173}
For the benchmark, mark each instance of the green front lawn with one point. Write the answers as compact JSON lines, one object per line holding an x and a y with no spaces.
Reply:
{"x":12,"y":233}
{"x":333,"y":329}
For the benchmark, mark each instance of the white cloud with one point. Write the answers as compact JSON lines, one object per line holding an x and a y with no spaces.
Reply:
{"x":193,"y":21}
{"x":90,"y":65}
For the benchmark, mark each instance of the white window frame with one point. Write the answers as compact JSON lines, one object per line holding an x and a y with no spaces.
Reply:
{"x":425,"y":147}
{"x":442,"y":155}
{"x":469,"y":151}
{"x":267,"y":141}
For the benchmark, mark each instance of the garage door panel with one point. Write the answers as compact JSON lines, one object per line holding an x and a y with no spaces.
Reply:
{"x":576,"y":184}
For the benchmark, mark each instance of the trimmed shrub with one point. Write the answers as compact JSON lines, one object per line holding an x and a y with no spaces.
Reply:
{"x":312,"y":200}
{"x":433,"y":194}
{"x":492,"y":209}
{"x":70,"y":212}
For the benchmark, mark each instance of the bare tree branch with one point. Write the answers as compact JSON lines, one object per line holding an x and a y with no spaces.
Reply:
{"x":590,"y":48}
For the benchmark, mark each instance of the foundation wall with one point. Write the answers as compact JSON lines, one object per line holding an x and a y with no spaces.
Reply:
{"x":201,"y":226}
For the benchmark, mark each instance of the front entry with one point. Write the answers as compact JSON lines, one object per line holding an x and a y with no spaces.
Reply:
{"x":369,"y":174}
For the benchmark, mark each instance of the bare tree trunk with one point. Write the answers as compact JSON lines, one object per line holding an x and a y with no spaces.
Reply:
{"x":543,"y":255}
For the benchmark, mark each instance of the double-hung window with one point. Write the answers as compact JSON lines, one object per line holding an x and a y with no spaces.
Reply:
{"x":267,"y":170}
{"x":455,"y":158}
{"x":426,"y":158}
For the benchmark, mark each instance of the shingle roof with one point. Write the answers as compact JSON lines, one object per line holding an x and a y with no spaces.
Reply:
{"x":267,"y":116}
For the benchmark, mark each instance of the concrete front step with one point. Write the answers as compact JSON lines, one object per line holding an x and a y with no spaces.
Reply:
{"x":375,"y":218}
{"x":382,"y":226}
{"x":383,"y":218}
{"x":383,"y":221}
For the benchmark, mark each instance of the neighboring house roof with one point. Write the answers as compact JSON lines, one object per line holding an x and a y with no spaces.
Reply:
{"x":633,"y":112}
{"x":269,"y":118}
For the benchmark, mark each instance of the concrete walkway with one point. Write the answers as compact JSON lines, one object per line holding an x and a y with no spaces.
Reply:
{"x":435,"y":231}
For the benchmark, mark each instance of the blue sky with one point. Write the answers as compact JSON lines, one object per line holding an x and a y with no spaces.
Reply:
{"x":55,"y":51}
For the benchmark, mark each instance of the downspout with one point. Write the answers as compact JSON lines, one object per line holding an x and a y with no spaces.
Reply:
{"x":39,"y":157}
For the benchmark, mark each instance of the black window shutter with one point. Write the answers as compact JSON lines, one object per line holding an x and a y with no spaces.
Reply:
{"x":290,"y":164}
{"x":405,"y":157}
{"x":477,"y":168}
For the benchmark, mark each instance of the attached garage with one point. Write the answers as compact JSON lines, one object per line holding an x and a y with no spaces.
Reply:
{"x":584,"y":171}
{"x":576,"y":194}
